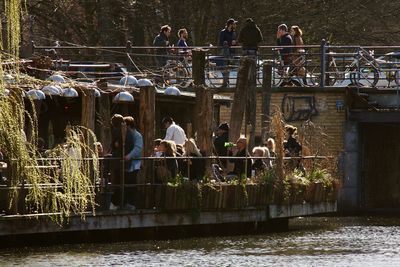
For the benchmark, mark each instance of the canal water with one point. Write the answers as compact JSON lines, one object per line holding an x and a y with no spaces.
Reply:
{"x":345,"y":241}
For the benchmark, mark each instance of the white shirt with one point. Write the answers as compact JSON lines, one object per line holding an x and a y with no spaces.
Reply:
{"x":176,"y":134}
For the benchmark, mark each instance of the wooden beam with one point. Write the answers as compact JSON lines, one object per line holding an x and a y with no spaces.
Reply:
{"x":147,"y":128}
{"x":198,"y":63}
{"x":265,"y":102}
{"x":250,"y":115}
{"x":88,"y":108}
{"x":105,"y":121}
{"x":240,"y":99}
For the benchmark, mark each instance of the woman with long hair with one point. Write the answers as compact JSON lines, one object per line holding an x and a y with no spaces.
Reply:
{"x":298,"y":52}
{"x":195,"y":168}
{"x":168,"y":149}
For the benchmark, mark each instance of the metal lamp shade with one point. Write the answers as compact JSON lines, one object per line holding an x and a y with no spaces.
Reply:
{"x":57,"y":78}
{"x":128,"y":80}
{"x":123,"y":97}
{"x":35,"y":94}
{"x":172,"y":90}
{"x":144,"y":82}
{"x":70,"y":93}
{"x":97,"y":93}
{"x":51,"y":90}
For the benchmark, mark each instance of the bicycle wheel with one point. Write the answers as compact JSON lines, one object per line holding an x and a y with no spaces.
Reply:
{"x":366,"y":76}
{"x":174,"y":73}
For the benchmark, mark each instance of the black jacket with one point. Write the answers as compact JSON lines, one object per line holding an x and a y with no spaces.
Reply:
{"x":285,"y":40}
{"x":250,"y":36}
{"x":240,"y":164}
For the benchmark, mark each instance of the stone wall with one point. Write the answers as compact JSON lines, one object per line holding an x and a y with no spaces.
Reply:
{"x":326,"y":114}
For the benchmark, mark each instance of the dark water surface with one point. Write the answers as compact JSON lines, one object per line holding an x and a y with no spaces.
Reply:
{"x":348,"y":241}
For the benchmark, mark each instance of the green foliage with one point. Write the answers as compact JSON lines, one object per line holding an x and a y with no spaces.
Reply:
{"x":318,"y":175}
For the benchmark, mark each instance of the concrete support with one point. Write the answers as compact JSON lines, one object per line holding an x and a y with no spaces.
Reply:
{"x":349,"y":195}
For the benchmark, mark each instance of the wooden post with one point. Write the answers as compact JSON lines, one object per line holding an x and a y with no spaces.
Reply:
{"x":88,"y":109}
{"x":265,"y":102}
{"x":204,"y":122}
{"x":251,"y":104}
{"x":147,"y":128}
{"x":240,"y":98}
{"x":105,"y":121}
{"x":204,"y":109}
{"x":198,"y":63}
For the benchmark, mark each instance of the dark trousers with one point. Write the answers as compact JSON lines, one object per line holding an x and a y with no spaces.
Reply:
{"x":130,"y":192}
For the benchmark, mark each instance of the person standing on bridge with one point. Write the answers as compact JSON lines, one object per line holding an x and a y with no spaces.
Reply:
{"x":284,"y":39}
{"x":250,"y":36}
{"x":160,"y":41}
{"x":227,"y":38}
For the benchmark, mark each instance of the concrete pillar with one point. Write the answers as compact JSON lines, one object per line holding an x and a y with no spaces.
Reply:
{"x":349,"y":196}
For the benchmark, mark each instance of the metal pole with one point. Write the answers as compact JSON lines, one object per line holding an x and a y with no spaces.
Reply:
{"x":323,"y":63}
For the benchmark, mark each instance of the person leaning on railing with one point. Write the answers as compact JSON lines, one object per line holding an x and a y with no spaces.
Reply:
{"x":250,"y":36}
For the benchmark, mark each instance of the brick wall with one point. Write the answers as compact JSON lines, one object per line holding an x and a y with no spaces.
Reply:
{"x":328,"y":118}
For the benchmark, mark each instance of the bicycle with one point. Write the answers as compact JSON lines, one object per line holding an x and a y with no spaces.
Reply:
{"x":360,"y":69}
{"x":177,"y":72}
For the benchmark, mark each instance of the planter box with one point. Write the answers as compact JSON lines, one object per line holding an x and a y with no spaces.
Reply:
{"x":315,"y":193}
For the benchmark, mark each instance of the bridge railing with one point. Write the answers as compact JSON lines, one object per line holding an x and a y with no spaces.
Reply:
{"x":321,"y":65}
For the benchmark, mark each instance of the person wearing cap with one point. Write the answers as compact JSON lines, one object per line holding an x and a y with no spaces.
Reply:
{"x":250,"y":36}
{"x":227,"y":38}
{"x":222,"y":137}
{"x":162,"y":40}
{"x":174,"y":132}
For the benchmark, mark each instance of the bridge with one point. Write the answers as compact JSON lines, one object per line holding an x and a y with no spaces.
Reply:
{"x":320,"y":66}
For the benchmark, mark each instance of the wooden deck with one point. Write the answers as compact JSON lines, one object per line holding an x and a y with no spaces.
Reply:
{"x":118,"y":220}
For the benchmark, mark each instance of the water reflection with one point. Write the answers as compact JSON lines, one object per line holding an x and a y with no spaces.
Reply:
{"x":311,"y":242}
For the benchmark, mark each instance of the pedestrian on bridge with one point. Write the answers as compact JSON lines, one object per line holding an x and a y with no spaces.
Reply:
{"x":227,"y":39}
{"x":250,"y":36}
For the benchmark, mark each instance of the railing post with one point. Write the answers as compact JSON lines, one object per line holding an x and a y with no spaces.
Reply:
{"x":323,"y":63}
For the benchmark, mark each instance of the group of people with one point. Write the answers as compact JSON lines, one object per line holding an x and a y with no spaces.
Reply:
{"x":249,"y":38}
{"x":263,"y":155}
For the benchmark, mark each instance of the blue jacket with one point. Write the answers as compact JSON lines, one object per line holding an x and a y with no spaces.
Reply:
{"x":133,"y":136}
{"x":225,"y":38}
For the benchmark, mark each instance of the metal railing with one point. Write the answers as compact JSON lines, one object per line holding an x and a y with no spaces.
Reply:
{"x":321,"y":65}
{"x":109,"y":167}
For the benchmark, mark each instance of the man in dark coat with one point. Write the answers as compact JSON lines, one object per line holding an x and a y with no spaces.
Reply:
{"x":227,"y":38}
{"x":222,"y":137}
{"x":241,"y":168}
{"x":162,"y":40}
{"x":250,"y":36}
{"x":284,"y":39}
